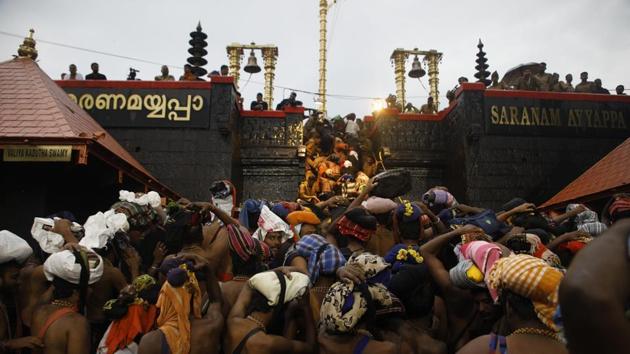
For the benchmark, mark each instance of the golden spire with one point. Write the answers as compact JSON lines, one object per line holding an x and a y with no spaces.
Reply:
{"x":27,"y":49}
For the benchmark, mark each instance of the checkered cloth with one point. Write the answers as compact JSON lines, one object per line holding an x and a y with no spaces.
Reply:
{"x":530,"y":277}
{"x":323,"y":258}
{"x":137,"y":215}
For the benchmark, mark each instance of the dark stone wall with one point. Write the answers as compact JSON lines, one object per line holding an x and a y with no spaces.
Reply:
{"x":189,"y":159}
{"x":488,"y":170}
{"x":416,"y":145}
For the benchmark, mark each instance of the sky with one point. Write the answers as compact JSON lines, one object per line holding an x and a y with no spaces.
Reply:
{"x":570,"y":36}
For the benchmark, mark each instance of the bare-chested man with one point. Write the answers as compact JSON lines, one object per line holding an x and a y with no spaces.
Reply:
{"x":59,"y":324}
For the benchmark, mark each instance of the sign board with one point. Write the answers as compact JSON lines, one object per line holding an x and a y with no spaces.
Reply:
{"x":546,"y":117}
{"x":147,"y":108}
{"x":42,"y":153}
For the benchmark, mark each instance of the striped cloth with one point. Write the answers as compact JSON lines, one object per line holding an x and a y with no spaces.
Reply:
{"x":323,"y":258}
{"x":244,"y":245}
{"x":530,"y":277}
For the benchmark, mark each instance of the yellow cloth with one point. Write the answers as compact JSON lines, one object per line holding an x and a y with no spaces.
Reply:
{"x":530,"y":277}
{"x":174,"y":304}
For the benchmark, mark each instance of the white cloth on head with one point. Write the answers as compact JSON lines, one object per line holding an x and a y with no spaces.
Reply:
{"x":352,"y":128}
{"x":152,"y":198}
{"x":268,"y":284}
{"x":270,"y":222}
{"x":50,"y":242}
{"x":100,"y":228}
{"x":63,"y":265}
{"x":13,"y":248}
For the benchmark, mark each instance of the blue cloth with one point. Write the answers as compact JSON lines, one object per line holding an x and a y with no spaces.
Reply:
{"x":281,"y":211}
{"x":251,"y":208}
{"x":323,"y":258}
{"x":415,"y":215}
{"x":390,"y":257}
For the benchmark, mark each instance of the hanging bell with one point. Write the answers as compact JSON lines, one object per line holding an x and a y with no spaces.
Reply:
{"x":252,"y":65}
{"x":416,"y":69}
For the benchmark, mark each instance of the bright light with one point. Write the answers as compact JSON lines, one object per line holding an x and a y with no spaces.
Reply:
{"x":378,"y":104}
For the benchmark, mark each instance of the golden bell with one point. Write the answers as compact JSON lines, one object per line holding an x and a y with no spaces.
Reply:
{"x":252,"y":65}
{"x":416,"y":69}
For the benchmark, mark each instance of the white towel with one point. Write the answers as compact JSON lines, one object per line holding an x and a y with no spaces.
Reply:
{"x":49,"y":241}
{"x":13,"y":248}
{"x":268,"y":284}
{"x":270,"y":222}
{"x":63,"y":265}
{"x":100,"y":228}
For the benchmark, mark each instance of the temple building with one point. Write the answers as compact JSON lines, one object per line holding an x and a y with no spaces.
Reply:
{"x":55,"y":157}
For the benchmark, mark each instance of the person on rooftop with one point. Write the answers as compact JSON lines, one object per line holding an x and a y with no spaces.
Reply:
{"x":95,"y":75}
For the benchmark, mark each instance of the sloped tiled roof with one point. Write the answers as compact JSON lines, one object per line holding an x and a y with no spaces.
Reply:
{"x":611,"y":173}
{"x":33,"y":106}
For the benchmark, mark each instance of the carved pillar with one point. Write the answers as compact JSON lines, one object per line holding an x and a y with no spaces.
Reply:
{"x":270,"y":55}
{"x":433,"y":59}
{"x":235,"y":54}
{"x":399,"y":58}
{"x":323,"y":13}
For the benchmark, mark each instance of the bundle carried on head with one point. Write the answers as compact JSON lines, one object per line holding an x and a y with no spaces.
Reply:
{"x":357,"y":223}
{"x":244,"y":246}
{"x":530,"y":277}
{"x":392,"y":183}
{"x":322,"y":257}
{"x":345,"y":304}
{"x":587,"y":221}
{"x":278,"y":288}
{"x":270,"y":222}
{"x":101,"y":228}
{"x":13,"y":248}
{"x":140,"y":210}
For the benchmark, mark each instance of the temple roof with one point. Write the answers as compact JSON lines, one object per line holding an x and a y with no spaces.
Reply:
{"x":609,"y":175}
{"x":34,"y":109}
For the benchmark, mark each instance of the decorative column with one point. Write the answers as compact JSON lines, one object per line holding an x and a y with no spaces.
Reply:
{"x":433,"y":59}
{"x":323,"y":13}
{"x":399,"y":57}
{"x":270,"y":56}
{"x":197,"y":45}
{"x":235,"y":53}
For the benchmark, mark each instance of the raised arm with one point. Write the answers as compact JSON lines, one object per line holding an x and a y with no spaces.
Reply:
{"x":595,"y":291}
{"x":523,"y":208}
{"x":239,"y":308}
{"x":569,"y":214}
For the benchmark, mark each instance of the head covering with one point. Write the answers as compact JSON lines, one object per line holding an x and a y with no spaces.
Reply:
{"x":151,"y":199}
{"x":13,"y":248}
{"x":483,"y":254}
{"x":466,"y":275}
{"x":268,"y":284}
{"x":587,"y":221}
{"x":378,"y":205}
{"x":244,"y":246}
{"x":175,"y":309}
{"x":323,"y":258}
{"x":530,"y":277}
{"x":539,"y":250}
{"x":619,"y":208}
{"x":438,"y":199}
{"x":50,"y":242}
{"x":346,"y":303}
{"x":251,"y":208}
{"x":280,"y":210}
{"x":303,"y":217}
{"x":64,"y":265}
{"x":270,"y":222}
{"x":138,"y":216}
{"x":401,"y":254}
{"x":100,"y":228}
{"x":357,"y":223}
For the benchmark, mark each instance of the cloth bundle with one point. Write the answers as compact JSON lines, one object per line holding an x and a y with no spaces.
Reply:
{"x":50,"y":242}
{"x":64,"y":265}
{"x":322,"y":257}
{"x":270,"y":222}
{"x":466,"y":275}
{"x":100,"y":228}
{"x":402,"y":254}
{"x":483,"y":254}
{"x":346,"y":303}
{"x":619,"y":208}
{"x":13,"y":248}
{"x":357,"y":223}
{"x":120,"y":335}
{"x":377,"y":205}
{"x":529,"y":277}
{"x":587,"y":221}
{"x":244,"y":246}
{"x":268,"y":284}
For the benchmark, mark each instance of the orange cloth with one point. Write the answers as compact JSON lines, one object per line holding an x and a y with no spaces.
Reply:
{"x":303,"y":217}
{"x":174,"y":304}
{"x":123,"y":331}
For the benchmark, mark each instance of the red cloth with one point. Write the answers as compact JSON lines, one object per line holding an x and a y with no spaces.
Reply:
{"x":123,"y":331}
{"x":620,"y":205}
{"x":349,"y":228}
{"x":573,"y":246}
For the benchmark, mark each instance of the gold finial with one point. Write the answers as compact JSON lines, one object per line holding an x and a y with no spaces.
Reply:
{"x":27,"y":48}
